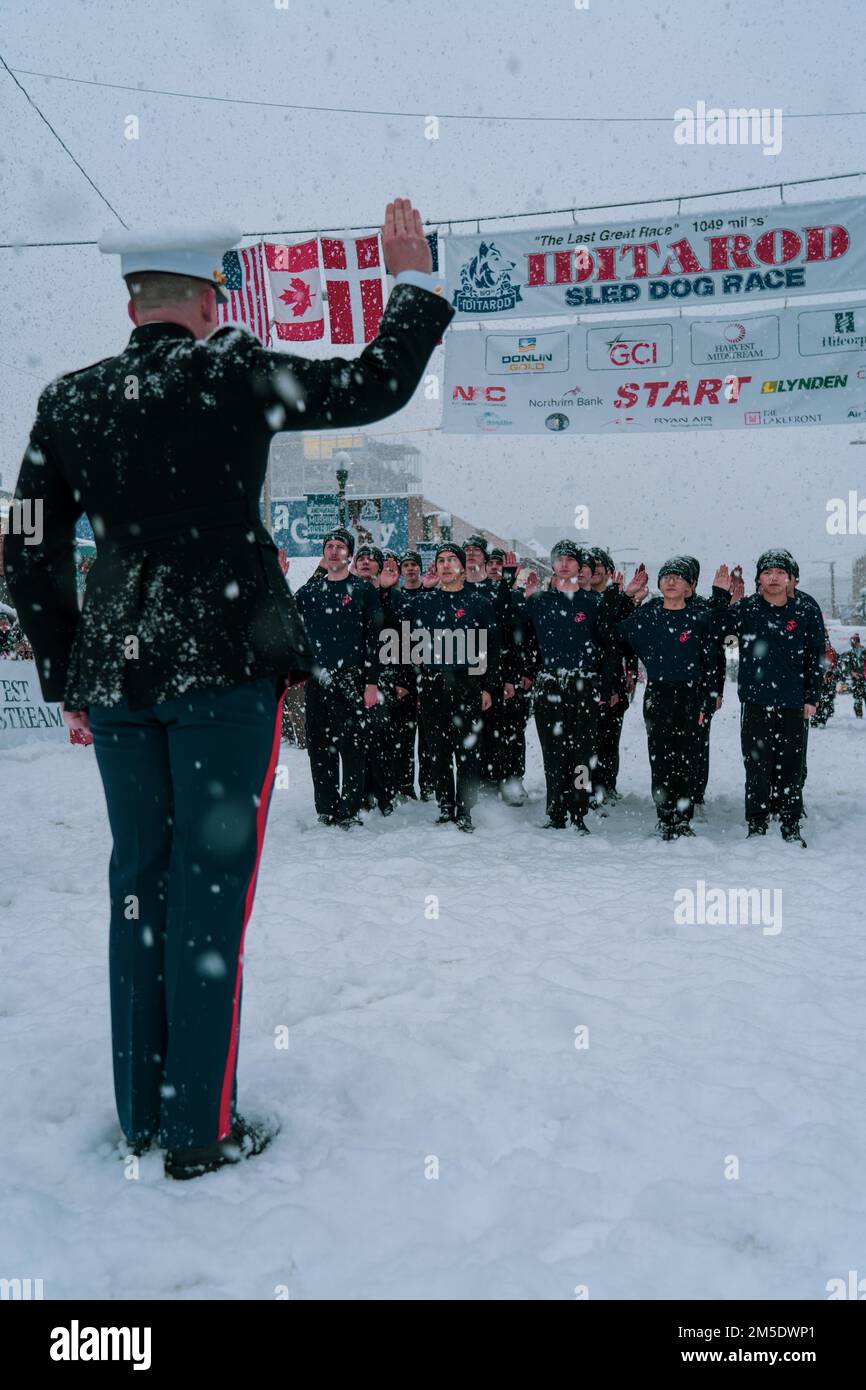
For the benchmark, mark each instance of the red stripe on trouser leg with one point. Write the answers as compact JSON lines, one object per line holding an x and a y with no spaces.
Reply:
{"x":225,"y":1122}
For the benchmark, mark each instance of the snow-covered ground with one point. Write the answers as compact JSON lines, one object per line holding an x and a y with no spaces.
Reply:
{"x":450,"y":1040}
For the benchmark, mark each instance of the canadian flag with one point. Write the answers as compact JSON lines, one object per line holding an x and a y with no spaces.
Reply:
{"x":296,"y":289}
{"x":353,"y":271}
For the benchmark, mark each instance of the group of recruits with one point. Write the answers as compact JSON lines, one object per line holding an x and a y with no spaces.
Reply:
{"x":566,"y":652}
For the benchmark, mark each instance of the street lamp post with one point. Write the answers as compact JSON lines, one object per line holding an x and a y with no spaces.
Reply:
{"x":342,"y":460}
{"x":834,"y":611}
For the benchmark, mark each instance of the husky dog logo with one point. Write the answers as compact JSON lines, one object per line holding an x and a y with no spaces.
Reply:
{"x":485,"y":283}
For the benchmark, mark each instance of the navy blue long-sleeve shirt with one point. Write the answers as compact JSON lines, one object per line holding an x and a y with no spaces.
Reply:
{"x":573,"y":630}
{"x":674,"y":644}
{"x":342,"y":618}
{"x":455,"y":611}
{"x":781,"y":650}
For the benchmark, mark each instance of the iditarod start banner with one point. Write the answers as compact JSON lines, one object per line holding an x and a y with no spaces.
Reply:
{"x":789,"y":367}
{"x":660,"y":261}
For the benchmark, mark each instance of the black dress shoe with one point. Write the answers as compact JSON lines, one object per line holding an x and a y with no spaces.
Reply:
{"x":791,"y":833}
{"x":245,"y":1141}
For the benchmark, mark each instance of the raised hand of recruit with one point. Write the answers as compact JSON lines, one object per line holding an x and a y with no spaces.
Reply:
{"x":431,"y":578}
{"x":638,"y":585}
{"x":738,"y":583}
{"x":388,"y":578}
{"x":532,"y":585}
{"x":404,"y":244}
{"x":722,"y":578}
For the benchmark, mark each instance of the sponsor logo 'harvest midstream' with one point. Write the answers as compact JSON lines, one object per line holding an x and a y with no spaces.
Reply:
{"x":439,"y":646}
{"x":734,"y":907}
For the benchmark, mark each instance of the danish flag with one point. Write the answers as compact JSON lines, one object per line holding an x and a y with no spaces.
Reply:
{"x":353,"y":272}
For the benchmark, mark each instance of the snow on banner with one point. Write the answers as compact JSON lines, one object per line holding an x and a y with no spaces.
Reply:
{"x":789,"y":367}
{"x":24,"y":715}
{"x":660,"y":261}
{"x":296,"y":289}
{"x":244,"y":275}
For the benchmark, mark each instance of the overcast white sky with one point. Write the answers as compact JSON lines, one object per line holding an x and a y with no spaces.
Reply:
{"x":722,"y":497}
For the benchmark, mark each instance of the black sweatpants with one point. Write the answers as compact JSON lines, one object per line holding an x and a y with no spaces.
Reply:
{"x":670,"y":712}
{"x":515,"y":713}
{"x":451,"y":712}
{"x":187,"y":785}
{"x":566,"y":717}
{"x":702,"y":759}
{"x":772,"y":741}
{"x":606,"y":769}
{"x":338,"y":730}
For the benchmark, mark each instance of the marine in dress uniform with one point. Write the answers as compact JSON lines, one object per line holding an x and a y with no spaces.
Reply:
{"x":187,"y":639}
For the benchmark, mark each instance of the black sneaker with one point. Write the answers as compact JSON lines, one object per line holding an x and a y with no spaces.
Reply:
{"x":387,"y":808}
{"x":580,"y":825}
{"x":666,"y":831}
{"x":757,"y":827}
{"x":683,"y":828}
{"x":326,"y":820}
{"x":464,"y":823}
{"x":554,"y":823}
{"x":445,"y":817}
{"x":347,"y":822}
{"x":246,"y":1140}
{"x":791,"y":833}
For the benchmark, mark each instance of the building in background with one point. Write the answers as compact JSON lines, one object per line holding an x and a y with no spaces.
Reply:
{"x":858,"y":589}
{"x":372,"y":485}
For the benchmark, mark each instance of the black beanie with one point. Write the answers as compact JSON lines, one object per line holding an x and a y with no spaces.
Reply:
{"x":570,"y":547}
{"x":603,"y":557}
{"x":776,"y":560}
{"x":374,"y":551}
{"x":678,"y":564}
{"x":340,"y":534}
{"x":391,"y":555}
{"x":413,"y":556}
{"x":454,"y":549}
{"x":694,"y":565}
{"x":496,"y":554}
{"x":479,"y":541}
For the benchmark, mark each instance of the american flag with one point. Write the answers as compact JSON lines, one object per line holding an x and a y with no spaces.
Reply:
{"x":245,"y":282}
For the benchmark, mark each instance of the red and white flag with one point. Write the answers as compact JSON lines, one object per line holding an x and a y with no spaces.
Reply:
{"x":353,"y":273}
{"x":296,"y":289}
{"x":244,"y":279}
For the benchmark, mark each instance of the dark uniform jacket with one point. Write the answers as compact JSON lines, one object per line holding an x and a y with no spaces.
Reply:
{"x":165,"y":448}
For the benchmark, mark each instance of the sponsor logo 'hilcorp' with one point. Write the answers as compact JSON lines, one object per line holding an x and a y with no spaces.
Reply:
{"x":804,"y":383}
{"x":831,"y":330}
{"x":737,"y":126}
